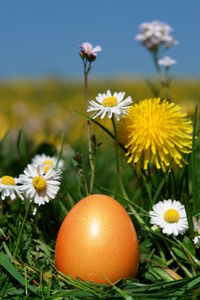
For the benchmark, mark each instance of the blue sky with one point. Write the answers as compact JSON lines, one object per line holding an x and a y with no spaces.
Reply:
{"x":40,"y":38}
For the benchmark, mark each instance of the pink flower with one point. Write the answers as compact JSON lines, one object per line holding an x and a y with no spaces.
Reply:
{"x":88,"y":52}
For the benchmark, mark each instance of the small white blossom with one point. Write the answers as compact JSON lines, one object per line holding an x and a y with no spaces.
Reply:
{"x":154,"y":227}
{"x":166,"y":61}
{"x":196,"y":241}
{"x":196,"y":223}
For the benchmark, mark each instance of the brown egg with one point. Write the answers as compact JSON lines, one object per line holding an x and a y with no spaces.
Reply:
{"x":97,"y":241}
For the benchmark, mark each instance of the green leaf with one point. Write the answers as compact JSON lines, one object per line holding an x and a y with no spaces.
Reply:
{"x":180,"y":254}
{"x":157,"y":193}
{"x":189,"y":245}
{"x":10,"y":268}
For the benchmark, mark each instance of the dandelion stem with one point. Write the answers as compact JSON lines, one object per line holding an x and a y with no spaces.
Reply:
{"x":136,"y":215}
{"x":91,"y":158}
{"x":138,"y":218}
{"x":117,"y":160}
{"x":21,"y":229}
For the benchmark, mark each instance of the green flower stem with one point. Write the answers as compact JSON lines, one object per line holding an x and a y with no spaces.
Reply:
{"x":91,"y":158}
{"x":164,"y":80}
{"x":189,"y":214}
{"x":21,"y":229}
{"x":196,"y":204}
{"x":161,"y":252}
{"x":136,"y":215}
{"x":117,"y":160}
{"x":138,"y":218}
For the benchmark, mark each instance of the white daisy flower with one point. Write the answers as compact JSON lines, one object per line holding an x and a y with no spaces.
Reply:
{"x":38,"y":185}
{"x":9,"y":187}
{"x":47,"y":162}
{"x":170,"y":216}
{"x":107,"y":103}
{"x":166,"y":61}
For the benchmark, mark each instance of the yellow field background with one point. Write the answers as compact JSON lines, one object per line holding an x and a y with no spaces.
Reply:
{"x":47,"y":109}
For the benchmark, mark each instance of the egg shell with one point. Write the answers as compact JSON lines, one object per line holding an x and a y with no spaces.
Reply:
{"x":97,"y":241}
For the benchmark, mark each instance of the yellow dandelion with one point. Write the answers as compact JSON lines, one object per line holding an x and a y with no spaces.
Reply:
{"x":157,"y":132}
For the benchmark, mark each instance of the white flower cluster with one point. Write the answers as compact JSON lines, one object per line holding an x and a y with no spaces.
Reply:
{"x":155,"y":34}
{"x":39,"y":183}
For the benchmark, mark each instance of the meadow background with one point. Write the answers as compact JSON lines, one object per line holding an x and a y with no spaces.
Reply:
{"x":41,"y":98}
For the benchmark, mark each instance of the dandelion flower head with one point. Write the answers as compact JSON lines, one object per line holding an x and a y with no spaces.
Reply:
{"x":157,"y":132}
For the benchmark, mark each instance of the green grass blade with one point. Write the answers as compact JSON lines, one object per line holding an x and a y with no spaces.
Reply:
{"x":6,"y":264}
{"x":60,"y":152}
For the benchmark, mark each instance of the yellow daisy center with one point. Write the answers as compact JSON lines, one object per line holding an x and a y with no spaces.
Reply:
{"x":171,"y":215}
{"x":47,"y":165}
{"x":39,"y":183}
{"x":156,"y":132}
{"x":8,"y":180}
{"x":110,"y":101}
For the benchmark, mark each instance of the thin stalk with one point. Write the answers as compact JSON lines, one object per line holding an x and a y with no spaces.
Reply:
{"x":196,"y":204}
{"x":163,"y":81}
{"x":26,"y":281}
{"x":148,"y":187}
{"x":187,"y":189}
{"x":189,"y":214}
{"x":92,"y":165}
{"x":136,"y":215}
{"x":184,"y":269}
{"x":117,"y":160}
{"x":85,"y":185}
{"x":155,"y":60}
{"x":21,"y":229}
{"x":161,"y":252}
{"x":138,"y":218}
